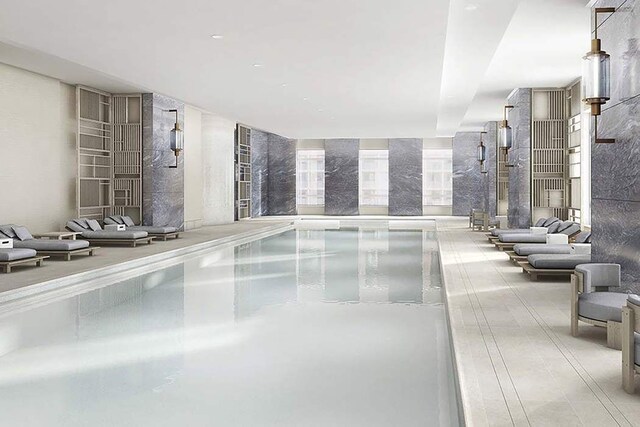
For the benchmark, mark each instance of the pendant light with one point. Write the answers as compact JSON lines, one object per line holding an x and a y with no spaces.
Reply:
{"x":482,"y":154}
{"x":596,"y":75}
{"x":176,"y":138}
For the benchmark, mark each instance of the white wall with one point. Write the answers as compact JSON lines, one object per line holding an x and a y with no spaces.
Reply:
{"x":193,"y":168}
{"x":38,"y":156}
{"x":218,"y":169}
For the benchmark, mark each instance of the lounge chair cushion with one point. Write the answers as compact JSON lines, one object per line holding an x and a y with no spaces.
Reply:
{"x":603,"y":306}
{"x":569,"y":228}
{"x":599,"y":275}
{"x":128,"y":221}
{"x":634,"y":299}
{"x":560,"y":262}
{"x":550,"y":221}
{"x":74,"y":226}
{"x":499,"y":231}
{"x":540,"y":222}
{"x":7,"y":230}
{"x":583,"y":237}
{"x":118,"y":235}
{"x":94,"y":225}
{"x":523,"y":238}
{"x":52,"y":245}
{"x":523,"y":249}
{"x":553,"y":228}
{"x":82,"y":223}
{"x":22,"y":233}
{"x":16,"y":254}
{"x":113,"y":219}
{"x":153,"y":230}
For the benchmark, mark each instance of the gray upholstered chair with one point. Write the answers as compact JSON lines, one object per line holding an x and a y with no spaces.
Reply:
{"x":592,"y":301}
{"x":630,"y":343}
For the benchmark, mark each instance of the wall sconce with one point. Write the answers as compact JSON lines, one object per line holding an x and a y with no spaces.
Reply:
{"x":176,"y":138}
{"x":482,"y":154}
{"x":506,"y":136}
{"x":596,"y":77}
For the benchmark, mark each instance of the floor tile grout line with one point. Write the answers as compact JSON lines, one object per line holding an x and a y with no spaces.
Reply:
{"x":479,"y":305}
{"x":548,"y":332}
{"x":455,"y":255}
{"x":544,"y":327}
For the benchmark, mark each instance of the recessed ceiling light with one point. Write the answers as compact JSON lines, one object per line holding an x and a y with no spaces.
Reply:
{"x":471,"y":7}
{"x":320,"y":110}
{"x":283,"y":85}
{"x":216,"y":36}
{"x":305,"y":99}
{"x":257,"y":65}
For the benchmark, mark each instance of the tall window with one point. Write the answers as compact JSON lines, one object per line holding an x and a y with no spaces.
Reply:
{"x":310,"y":178}
{"x":374,"y":178}
{"x":437,"y":177}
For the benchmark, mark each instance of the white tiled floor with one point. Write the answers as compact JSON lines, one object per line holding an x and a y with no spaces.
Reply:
{"x":518,"y":363}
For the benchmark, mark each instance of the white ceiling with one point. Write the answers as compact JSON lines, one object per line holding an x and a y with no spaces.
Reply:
{"x":329,"y":68}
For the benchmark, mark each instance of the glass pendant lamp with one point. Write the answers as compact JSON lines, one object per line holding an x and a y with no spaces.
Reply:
{"x":176,"y":138}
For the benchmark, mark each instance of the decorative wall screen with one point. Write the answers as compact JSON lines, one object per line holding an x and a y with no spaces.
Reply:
{"x":109,"y":149}
{"x":243,"y":172}
{"x":549,"y":153}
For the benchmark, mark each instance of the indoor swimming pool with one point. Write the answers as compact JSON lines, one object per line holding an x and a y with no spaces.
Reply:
{"x":302,"y":328}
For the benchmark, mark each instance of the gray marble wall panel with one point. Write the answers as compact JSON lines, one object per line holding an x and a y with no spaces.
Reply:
{"x":489,"y":180}
{"x":519,"y":213}
{"x":163,"y":187}
{"x":405,"y":176}
{"x":615,"y":176}
{"x":259,"y":173}
{"x":282,"y":175}
{"x":341,"y":176}
{"x":467,"y":188}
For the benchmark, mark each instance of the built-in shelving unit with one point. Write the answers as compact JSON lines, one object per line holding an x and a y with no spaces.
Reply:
{"x":94,"y":149}
{"x":243,"y":172}
{"x":127,"y":156}
{"x":549,"y":153}
{"x":502,"y":183}
{"x":109,"y":149}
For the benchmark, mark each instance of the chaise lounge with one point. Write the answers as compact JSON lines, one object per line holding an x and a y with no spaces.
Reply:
{"x":542,"y":222}
{"x":593,"y":303}
{"x":552,"y":265}
{"x":22,"y":239}
{"x":630,"y":343}
{"x":522,"y":250}
{"x":10,"y":258}
{"x":94,"y":234}
{"x":162,"y":233}
{"x":568,"y":228}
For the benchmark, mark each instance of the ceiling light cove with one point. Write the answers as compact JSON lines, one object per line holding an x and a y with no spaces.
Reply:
{"x":257,"y":65}
{"x":217,"y":36}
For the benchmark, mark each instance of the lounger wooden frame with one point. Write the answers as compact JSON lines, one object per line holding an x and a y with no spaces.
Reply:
{"x":68,"y":254}
{"x":165,"y":236}
{"x":515,"y":257}
{"x":503,"y":246}
{"x":630,"y":324}
{"x":614,"y":329}
{"x":6,"y":266}
{"x":535,"y":272}
{"x":120,"y":242}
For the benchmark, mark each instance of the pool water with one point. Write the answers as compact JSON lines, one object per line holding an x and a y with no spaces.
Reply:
{"x":303,"y":328}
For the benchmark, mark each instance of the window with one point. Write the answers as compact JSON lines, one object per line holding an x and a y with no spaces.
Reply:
{"x":374,"y":178}
{"x":310,"y":178}
{"x":436,"y":177}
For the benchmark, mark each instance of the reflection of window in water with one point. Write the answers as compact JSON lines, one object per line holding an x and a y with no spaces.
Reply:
{"x":310,"y":268}
{"x":372,"y":279}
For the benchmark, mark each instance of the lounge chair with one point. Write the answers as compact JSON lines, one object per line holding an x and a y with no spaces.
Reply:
{"x":508,"y":241}
{"x":23,"y":239}
{"x":521,"y":251}
{"x":94,"y":234}
{"x":592,"y":302}
{"x":630,"y":343}
{"x":11,"y":257}
{"x":542,"y":222}
{"x":163,"y":233}
{"x":552,"y":265}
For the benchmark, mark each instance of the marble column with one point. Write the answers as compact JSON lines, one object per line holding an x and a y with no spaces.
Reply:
{"x":163,"y":187}
{"x":519,"y":213}
{"x":467,"y":189}
{"x":615,"y":176}
{"x":489,"y":180}
{"x":282,"y":175}
{"x":405,"y":176}
{"x":341,"y":176}
{"x":259,"y":173}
